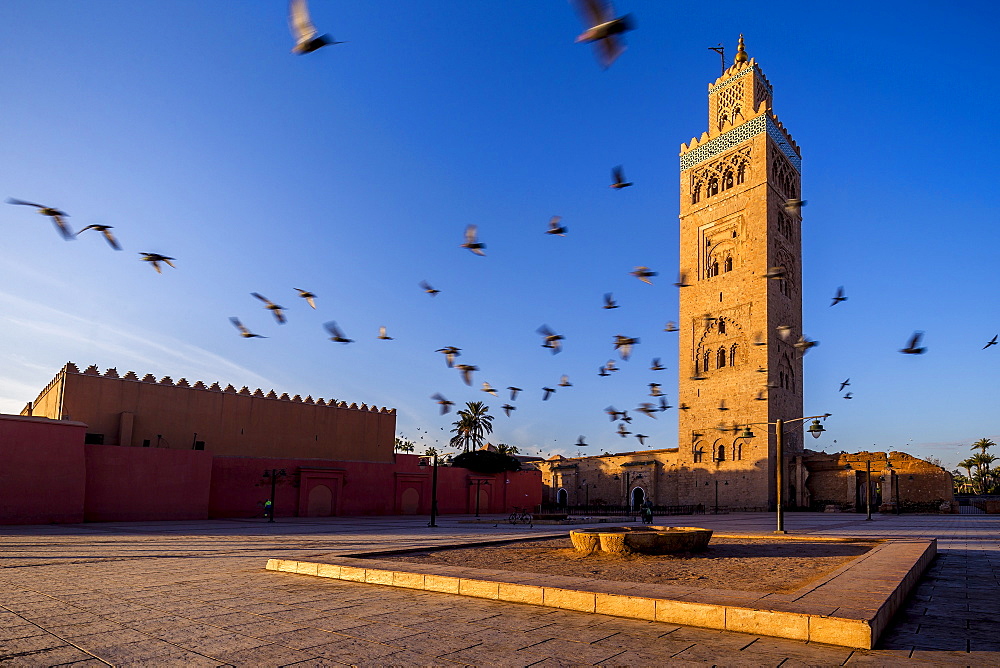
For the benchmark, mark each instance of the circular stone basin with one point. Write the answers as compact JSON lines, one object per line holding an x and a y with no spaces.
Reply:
{"x":641,"y":540}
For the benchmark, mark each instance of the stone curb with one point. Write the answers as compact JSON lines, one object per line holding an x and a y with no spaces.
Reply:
{"x":849,"y":607}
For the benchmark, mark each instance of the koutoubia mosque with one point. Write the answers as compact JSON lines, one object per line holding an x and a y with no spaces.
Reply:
{"x":739,"y":320}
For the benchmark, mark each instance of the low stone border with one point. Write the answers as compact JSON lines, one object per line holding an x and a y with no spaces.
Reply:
{"x":850,"y":606}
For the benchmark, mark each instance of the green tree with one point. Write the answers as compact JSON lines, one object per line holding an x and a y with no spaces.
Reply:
{"x":403,"y":445}
{"x":505,"y":449}
{"x":473,"y":424}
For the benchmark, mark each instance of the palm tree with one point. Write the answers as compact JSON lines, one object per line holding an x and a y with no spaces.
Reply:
{"x":473,"y":424}
{"x":505,"y":449}
{"x":403,"y":445}
{"x":984,"y":477}
{"x":983,"y":445}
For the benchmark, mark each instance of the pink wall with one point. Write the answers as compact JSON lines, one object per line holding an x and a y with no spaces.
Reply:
{"x":137,"y":484}
{"x":41,"y":475}
{"x":361,"y":488}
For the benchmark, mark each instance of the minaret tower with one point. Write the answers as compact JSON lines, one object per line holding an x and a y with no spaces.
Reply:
{"x":735,"y":223}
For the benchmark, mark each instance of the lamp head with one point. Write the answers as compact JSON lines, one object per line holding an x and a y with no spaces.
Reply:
{"x":816,"y":429}
{"x":746,"y":433}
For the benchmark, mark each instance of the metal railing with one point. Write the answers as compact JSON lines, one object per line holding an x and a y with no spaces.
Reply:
{"x":604,"y":510}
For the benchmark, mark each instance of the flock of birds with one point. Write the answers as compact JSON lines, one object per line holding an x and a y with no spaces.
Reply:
{"x":605,"y":32}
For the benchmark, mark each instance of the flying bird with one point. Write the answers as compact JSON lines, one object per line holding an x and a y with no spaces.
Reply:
{"x":106,"y":231}
{"x":991,"y":342}
{"x":623,"y":344}
{"x":471,"y":241}
{"x":683,"y":407}
{"x":609,"y":301}
{"x":564,"y":382}
{"x":656,"y":366}
{"x":445,"y":404}
{"x":803,"y":345}
{"x":758,"y":339}
{"x":622,"y":431}
{"x":844,"y":384}
{"x":507,"y":408}
{"x":382,"y":335}
{"x":664,"y":404}
{"x":58,"y":217}
{"x":793,"y":207}
{"x":603,"y":371}
{"x":774,"y":272}
{"x":784,"y":331}
{"x":308,"y":296}
{"x":488,"y":389}
{"x":839,"y":297}
{"x":618,"y":178}
{"x":682,"y":281}
{"x":642,"y":438}
{"x":276,"y":311}
{"x":648,"y":409}
{"x":612,"y":413}
{"x":912,"y":348}
{"x":450,"y":353}
{"x":760,"y":396}
{"x":548,"y":392}
{"x":580,"y":443}
{"x":552,"y":340}
{"x":466,"y":371}
{"x":611,"y":366}
{"x":155,"y":259}
{"x":671,"y":326}
{"x":722,"y":405}
{"x":555,"y":227}
{"x":849,"y":395}
{"x":335,"y":333}
{"x":307,"y":38}
{"x":603,"y":30}
{"x":654,"y":390}
{"x":513,"y":392}
{"x":244,"y":332}
{"x":426,"y":287}
{"x":643,"y":274}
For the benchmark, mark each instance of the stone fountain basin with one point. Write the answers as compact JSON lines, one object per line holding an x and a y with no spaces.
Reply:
{"x":641,"y":540}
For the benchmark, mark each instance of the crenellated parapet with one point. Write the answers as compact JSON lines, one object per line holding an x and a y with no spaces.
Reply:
{"x":258,"y":393}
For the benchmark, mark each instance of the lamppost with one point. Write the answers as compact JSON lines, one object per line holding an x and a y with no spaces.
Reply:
{"x":434,"y":487}
{"x":725,"y":483}
{"x":273,"y":475}
{"x":893,"y":478}
{"x":478,"y":484}
{"x":628,"y":482}
{"x":779,"y":470}
{"x":868,"y":487}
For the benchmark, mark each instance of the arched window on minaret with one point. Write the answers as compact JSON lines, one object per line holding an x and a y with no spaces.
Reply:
{"x":727,"y":180}
{"x":720,"y":358}
{"x":721,"y":453}
{"x":741,"y":173}
{"x":713,"y":267}
{"x":727,"y":265}
{"x":705,"y":359}
{"x":722,"y":325}
{"x":732,"y":355}
{"x":696,"y":193}
{"x":713,"y":186}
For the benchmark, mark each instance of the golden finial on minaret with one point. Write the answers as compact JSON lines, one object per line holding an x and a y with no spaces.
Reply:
{"x":741,"y":54}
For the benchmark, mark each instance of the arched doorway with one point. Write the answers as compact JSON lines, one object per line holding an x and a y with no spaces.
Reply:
{"x":562,"y":498}
{"x":409,"y":501}
{"x":320,"y":503}
{"x":638,"y":496}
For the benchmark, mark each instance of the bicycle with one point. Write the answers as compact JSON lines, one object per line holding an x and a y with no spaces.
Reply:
{"x":521,"y":515}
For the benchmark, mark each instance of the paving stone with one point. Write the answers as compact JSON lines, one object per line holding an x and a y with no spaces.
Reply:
{"x":30,"y":644}
{"x":353,"y":650}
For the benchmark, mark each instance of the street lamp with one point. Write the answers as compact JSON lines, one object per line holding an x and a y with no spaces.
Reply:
{"x":892,"y":476}
{"x":273,"y":475}
{"x":434,"y":488}
{"x":816,"y":429}
{"x":725,"y":483}
{"x":868,"y":487}
{"x":628,"y":483}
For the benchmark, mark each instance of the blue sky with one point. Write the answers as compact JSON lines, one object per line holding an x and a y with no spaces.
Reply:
{"x":353,"y":171}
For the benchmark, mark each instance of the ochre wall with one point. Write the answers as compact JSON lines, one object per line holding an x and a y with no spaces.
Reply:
{"x":362,"y":488}
{"x":42,"y":474}
{"x":140,"y":484}
{"x":128,"y":411}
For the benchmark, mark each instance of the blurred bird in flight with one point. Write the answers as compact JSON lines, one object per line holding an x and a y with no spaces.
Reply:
{"x":618,"y":178}
{"x":444,"y":403}
{"x":382,"y":335}
{"x":450,"y":353}
{"x":603,"y":30}
{"x":155,"y":259}
{"x":58,"y":217}
{"x":609,"y":301}
{"x":244,"y":332}
{"x":513,"y":392}
{"x":428,"y":289}
{"x":839,"y":297}
{"x":336,"y":334}
{"x":555,"y":227}
{"x":307,"y":38}
{"x":794,"y":206}
{"x":466,"y":371}
{"x":552,"y":340}
{"x":643,"y":274}
{"x":913,"y":347}
{"x":106,"y":231}
{"x":276,"y":311}
{"x":991,"y":342}
{"x":308,"y":296}
{"x":472,"y":240}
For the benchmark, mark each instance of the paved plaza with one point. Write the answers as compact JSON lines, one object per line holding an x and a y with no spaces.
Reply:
{"x":196,"y":593}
